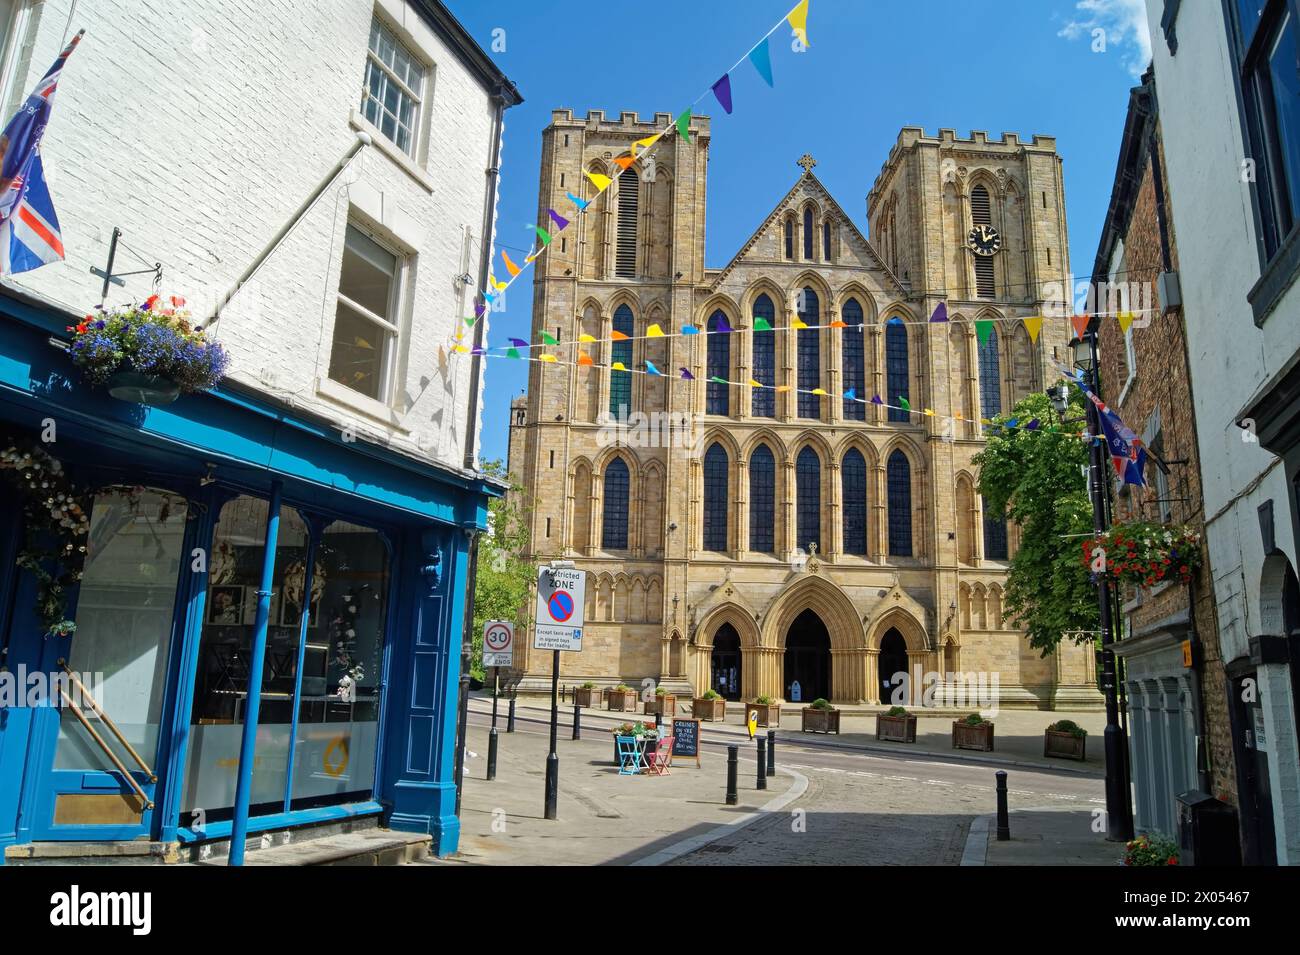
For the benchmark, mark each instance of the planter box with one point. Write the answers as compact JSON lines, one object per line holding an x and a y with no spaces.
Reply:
{"x":585,"y":696}
{"x":704,"y":709}
{"x":1064,"y":745}
{"x":965,"y":736}
{"x":623,"y":701}
{"x":820,"y":721}
{"x":896,"y":729}
{"x":663,"y":704}
{"x":769,"y":714}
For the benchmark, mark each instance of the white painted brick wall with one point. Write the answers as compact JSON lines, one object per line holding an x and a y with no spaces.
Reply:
{"x":198,"y":126}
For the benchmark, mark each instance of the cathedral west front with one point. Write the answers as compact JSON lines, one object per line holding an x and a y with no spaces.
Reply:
{"x":743,"y":525}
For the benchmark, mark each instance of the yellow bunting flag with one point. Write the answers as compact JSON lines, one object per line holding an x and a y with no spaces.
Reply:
{"x":1125,"y":320}
{"x":798,"y":18}
{"x":1033,"y":326}
{"x":654,"y":331}
{"x":584,"y":337}
{"x":645,"y":143}
{"x":618,"y":366}
{"x":599,"y":181}
{"x":782,"y":387}
{"x":798,"y":323}
{"x":930,"y":412}
{"x":510,"y":266}
{"x":460,"y":349}
{"x":547,"y":358}
{"x":755,"y":384}
{"x":818,"y":391}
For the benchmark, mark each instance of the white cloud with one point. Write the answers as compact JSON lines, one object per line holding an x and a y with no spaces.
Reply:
{"x":1124,"y":25}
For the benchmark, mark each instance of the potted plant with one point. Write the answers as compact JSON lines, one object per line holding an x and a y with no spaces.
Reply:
{"x":709,"y":706}
{"x":1144,"y":554}
{"x":973,"y":732}
{"x":663,"y":704}
{"x":769,"y":711}
{"x":638,"y":729}
{"x":622,"y":699}
{"x":149,"y":353}
{"x":1065,"y":739}
{"x":585,"y":695}
{"x":820,"y":717}
{"x":1148,"y":850}
{"x":897,"y":726}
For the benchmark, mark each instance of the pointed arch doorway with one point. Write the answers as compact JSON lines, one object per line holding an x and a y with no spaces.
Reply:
{"x":807,"y":658}
{"x":893,"y":659}
{"x":724,"y":671}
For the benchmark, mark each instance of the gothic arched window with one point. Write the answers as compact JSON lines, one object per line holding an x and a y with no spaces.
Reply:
{"x":855,"y":368}
{"x":826,"y":241}
{"x":715,"y":498}
{"x":629,"y":199}
{"x":981,"y":213}
{"x":764,"y":399}
{"x":789,"y":237}
{"x":897,"y":376}
{"x":762,"y":500}
{"x":995,"y":534}
{"x":810,"y":360}
{"x":990,"y":376}
{"x":898,"y":475}
{"x":717,"y":396}
{"x":614,"y":522}
{"x":853,"y":475}
{"x":620,"y":382}
{"x":808,"y":233}
{"x":808,"y":484}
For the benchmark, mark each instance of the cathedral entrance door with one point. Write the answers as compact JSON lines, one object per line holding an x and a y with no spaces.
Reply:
{"x":725,"y":669}
{"x":808,"y":658}
{"x":893,"y":660}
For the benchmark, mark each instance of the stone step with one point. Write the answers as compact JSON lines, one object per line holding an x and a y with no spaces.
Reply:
{"x":373,"y":847}
{"x":93,"y":853}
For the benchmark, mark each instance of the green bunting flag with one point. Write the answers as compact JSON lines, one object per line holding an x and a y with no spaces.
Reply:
{"x":982,"y":331}
{"x":902,"y":403}
{"x":684,"y":126}
{"x":550,"y":339}
{"x":761,"y":325}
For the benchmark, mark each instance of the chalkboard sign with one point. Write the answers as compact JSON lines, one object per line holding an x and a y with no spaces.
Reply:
{"x":686,"y":738}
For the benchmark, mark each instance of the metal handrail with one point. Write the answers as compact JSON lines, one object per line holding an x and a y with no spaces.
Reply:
{"x":67,"y":700}
{"x":99,"y":711}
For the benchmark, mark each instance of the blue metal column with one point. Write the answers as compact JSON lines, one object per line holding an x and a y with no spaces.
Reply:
{"x":248,"y":743}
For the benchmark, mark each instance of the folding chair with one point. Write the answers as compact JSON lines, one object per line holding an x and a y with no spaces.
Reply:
{"x":630,"y":754}
{"x":658,"y":761}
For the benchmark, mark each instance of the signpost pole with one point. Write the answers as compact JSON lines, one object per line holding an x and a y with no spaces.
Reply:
{"x":492,"y":734}
{"x":553,"y":760}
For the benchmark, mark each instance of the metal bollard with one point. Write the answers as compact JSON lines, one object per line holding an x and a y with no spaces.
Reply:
{"x":1004,"y":822}
{"x":510,"y":720}
{"x":761,"y":778}
{"x":492,"y":754}
{"x":771,"y":752}
{"x":577,"y":721}
{"x":733,"y":763}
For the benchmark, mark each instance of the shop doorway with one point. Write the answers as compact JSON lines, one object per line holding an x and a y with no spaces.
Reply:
{"x":1250,"y":752}
{"x":725,"y":675}
{"x":893,"y":661}
{"x":807,"y":659}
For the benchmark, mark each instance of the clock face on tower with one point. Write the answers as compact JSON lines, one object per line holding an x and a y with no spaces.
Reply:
{"x":984,"y":240}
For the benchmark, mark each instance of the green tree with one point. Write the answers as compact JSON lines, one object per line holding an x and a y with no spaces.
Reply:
{"x":1036,"y":478}
{"x":501,"y":586}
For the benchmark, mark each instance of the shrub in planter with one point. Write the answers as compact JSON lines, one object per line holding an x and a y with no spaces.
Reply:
{"x":973,"y":732}
{"x":1065,"y":739}
{"x":664,"y":703}
{"x":709,"y":705}
{"x":623,"y":699}
{"x":585,"y":695}
{"x":149,"y":353}
{"x":897,"y":726}
{"x":820,"y":717}
{"x":769,"y":711}
{"x":1146,"y":850}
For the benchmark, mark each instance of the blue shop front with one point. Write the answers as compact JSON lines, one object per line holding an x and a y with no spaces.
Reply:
{"x":190,"y":507}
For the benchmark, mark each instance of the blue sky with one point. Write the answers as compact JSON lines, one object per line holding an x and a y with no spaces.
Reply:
{"x":873,"y":66}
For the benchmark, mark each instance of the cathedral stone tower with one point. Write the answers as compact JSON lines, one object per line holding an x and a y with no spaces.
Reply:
{"x":753,"y":538}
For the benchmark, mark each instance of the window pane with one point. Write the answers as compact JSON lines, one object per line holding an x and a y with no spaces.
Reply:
{"x":762,"y":500}
{"x":359,"y":352}
{"x":717,"y":395}
{"x":990,"y":376}
{"x":338,"y":706}
{"x":855,"y":371}
{"x":853,"y":475}
{"x":715,"y":499}
{"x":899,"y":479}
{"x":221,"y":682}
{"x":367,"y":273}
{"x":1248,"y":14}
{"x":995,"y":534}
{"x":896,"y":370}
{"x":809,"y":356}
{"x":1284,"y":75}
{"x":764,"y":399}
{"x":614,"y":531}
{"x":620,"y":382}
{"x":808,"y":490}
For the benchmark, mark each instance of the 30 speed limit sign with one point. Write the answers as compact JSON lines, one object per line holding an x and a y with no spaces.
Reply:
{"x":498,"y":643}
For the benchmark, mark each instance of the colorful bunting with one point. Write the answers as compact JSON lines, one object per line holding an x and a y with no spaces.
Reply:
{"x":512,"y":352}
{"x":580,"y":203}
{"x":875,"y":400}
{"x":722,"y":91}
{"x":624,"y":161}
{"x":687,"y":375}
{"x":543,"y":236}
{"x":1033,"y":326}
{"x":510,"y":266}
{"x":584,"y":337}
{"x":940,"y":313}
{"x":761,"y":57}
{"x":654,"y":331}
{"x":518,"y":342}
{"x":652,"y":370}
{"x":683,"y":124}
{"x":1125,"y":320}
{"x":558,"y":219}
{"x":851,"y":394}
{"x":1080,"y":323}
{"x":618,"y":366}
{"x":690,"y":330}
{"x":723,"y":327}
{"x":618,"y":336}
{"x":798,"y":19}
{"x":798,"y":323}
{"x":761,"y":324}
{"x":903,"y":403}
{"x":479,"y":309}
{"x":818,"y":391}
{"x":600,"y":182}
{"x":755,"y":384}
{"x":550,"y":339}
{"x":982,"y":330}
{"x":718,"y":381}
{"x":645,"y":143}
{"x":584,"y":359}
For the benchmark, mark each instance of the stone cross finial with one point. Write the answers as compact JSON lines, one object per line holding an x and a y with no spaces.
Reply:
{"x":807,"y":162}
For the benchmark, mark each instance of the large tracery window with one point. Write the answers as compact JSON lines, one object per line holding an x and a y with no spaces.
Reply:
{"x":808,"y":236}
{"x":990,"y":376}
{"x":899,"y":478}
{"x":995,"y":534}
{"x":809,"y":348}
{"x":614,"y":512}
{"x":808,"y":481}
{"x":717,"y":396}
{"x":896,"y":369}
{"x":715,"y":498}
{"x":620,"y":382}
{"x":764,"y":399}
{"x":762,"y":500}
{"x":855,"y":368}
{"x":853,"y":474}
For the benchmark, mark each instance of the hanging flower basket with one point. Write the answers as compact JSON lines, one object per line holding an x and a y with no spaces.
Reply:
{"x":147,"y":354}
{"x":1145,"y":554}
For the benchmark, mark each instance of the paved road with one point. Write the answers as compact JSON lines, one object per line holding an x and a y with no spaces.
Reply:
{"x":869,"y":809}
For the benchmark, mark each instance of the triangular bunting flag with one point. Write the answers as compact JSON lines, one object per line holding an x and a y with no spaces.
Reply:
{"x":645,"y":143}
{"x":624,"y":161}
{"x":650,"y":369}
{"x":618,"y":336}
{"x":798,"y":19}
{"x":838,"y":324}
{"x":489,"y":296}
{"x":654,"y":331}
{"x":690,"y":330}
{"x":684,"y":125}
{"x":851,"y":394}
{"x":718,"y":381}
{"x":550,"y":358}
{"x":686,"y":374}
{"x":618,"y":366}
{"x":580,"y":203}
{"x":584,"y":359}
{"x":479,"y":309}
{"x":722,"y":90}
{"x":983,"y":330}
{"x":929,"y":412}
{"x":550,"y":339}
{"x":761,"y":324}
{"x":761,"y":57}
{"x":798,"y":323}
{"x":754,"y":384}
{"x":875,"y":400}
{"x":1080,"y":323}
{"x":940,"y":313}
{"x":817,"y":391}
{"x":902,"y":403}
{"x":599,"y":181}
{"x":558,"y":219}
{"x":1033,"y":326}
{"x":1032,"y":426}
{"x":518,"y":342}
{"x":542,"y":235}
{"x":895,"y":321}
{"x":1125,"y":320}
{"x":723,"y":327}
{"x":510,"y":266}
{"x":584,"y":337}
{"x":512,"y":352}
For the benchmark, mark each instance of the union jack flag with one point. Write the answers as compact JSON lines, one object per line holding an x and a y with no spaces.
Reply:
{"x":29,"y":227}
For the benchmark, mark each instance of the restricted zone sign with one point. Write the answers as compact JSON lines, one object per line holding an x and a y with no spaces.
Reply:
{"x":561,"y":598}
{"x":498,"y":643}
